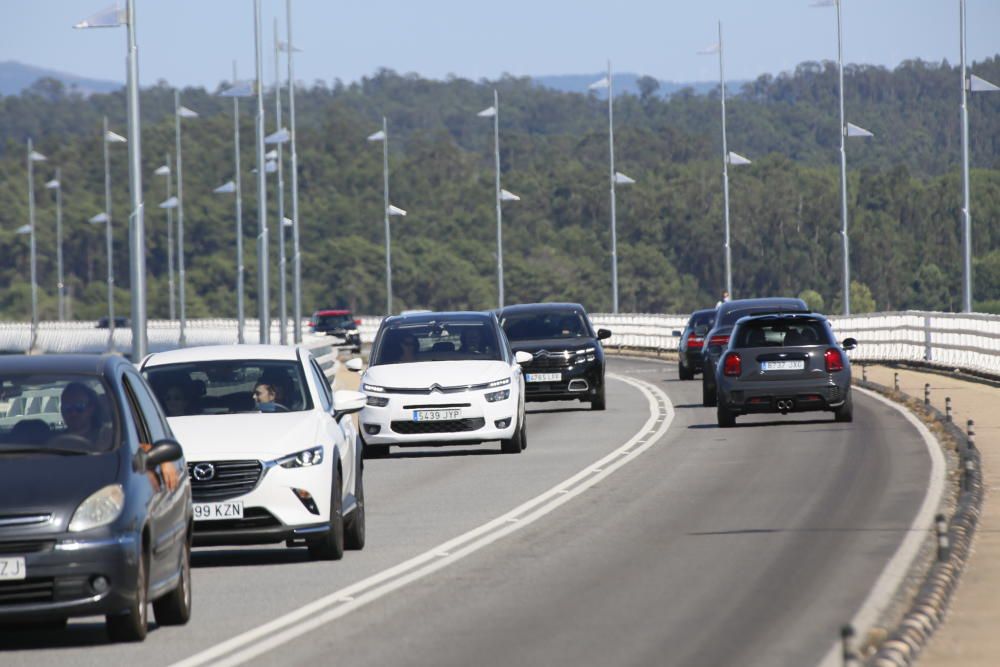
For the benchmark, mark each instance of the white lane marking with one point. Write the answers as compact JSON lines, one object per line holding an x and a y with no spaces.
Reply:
{"x":899,"y":565}
{"x":284,"y":629}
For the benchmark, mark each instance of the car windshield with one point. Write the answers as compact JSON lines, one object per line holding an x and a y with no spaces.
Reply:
{"x":460,"y":340}
{"x":545,"y":325}
{"x":229,"y":387}
{"x":335,"y":321}
{"x":779,"y":333}
{"x":58,"y":412}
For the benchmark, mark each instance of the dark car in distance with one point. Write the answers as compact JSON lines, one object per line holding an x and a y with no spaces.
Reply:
{"x":692,"y":340}
{"x":568,"y":360}
{"x":339,"y":323}
{"x":789,"y":362}
{"x":726,"y":317}
{"x":121,"y":322}
{"x":95,"y":503}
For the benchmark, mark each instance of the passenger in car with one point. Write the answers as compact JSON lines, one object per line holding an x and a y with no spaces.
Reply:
{"x":269,"y":396}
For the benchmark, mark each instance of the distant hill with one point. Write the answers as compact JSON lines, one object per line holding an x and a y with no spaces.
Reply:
{"x":16,"y":77}
{"x":625,"y":82}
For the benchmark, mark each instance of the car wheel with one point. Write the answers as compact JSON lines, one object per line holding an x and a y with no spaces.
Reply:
{"x":708,"y":397}
{"x":354,"y":523}
{"x":597,"y":402}
{"x":683,"y":372}
{"x":725,"y":416}
{"x":132,"y":625}
{"x":331,"y":545}
{"x":518,"y":442}
{"x":174,"y":608}
{"x":845,"y":413}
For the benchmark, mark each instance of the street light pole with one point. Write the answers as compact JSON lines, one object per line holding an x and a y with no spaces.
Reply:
{"x":33,"y":157}
{"x":165,"y":170}
{"x":611,"y":161}
{"x":56,"y":184}
{"x":725,"y":166}
{"x":238,"y":183}
{"x":966,"y":212}
{"x":137,"y":230}
{"x":108,"y":239}
{"x":262,"y":279}
{"x":282,"y":260}
{"x":843,"y":166}
{"x":296,"y":255}
{"x":181,"y":112}
{"x":496,"y":156}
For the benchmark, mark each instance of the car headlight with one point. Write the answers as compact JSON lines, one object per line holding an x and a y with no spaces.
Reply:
{"x":372,"y":387}
{"x":307,"y":457}
{"x":378,"y":401}
{"x":586,"y":354}
{"x":498,"y":383}
{"x":100,"y":509}
{"x":495,"y":396}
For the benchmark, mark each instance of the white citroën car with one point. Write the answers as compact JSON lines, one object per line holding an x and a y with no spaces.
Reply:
{"x":443,"y":379}
{"x":270,"y":454}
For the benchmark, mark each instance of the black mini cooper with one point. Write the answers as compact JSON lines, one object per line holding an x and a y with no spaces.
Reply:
{"x":568,"y":361}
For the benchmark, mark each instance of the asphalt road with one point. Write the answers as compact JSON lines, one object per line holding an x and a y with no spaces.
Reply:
{"x":643,"y":535}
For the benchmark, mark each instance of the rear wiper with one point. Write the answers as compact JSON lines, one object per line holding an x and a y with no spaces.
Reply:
{"x":44,"y":450}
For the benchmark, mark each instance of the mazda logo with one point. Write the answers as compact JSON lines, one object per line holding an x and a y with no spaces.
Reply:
{"x":203,"y":472}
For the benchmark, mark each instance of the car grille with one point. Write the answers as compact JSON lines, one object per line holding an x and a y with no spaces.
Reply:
{"x":25,"y":547}
{"x":444,"y":426}
{"x":253,"y":517}
{"x":231,"y":479}
{"x":27,"y":591}
{"x":545,"y":360}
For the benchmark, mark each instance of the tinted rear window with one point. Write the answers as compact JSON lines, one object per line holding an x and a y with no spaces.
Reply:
{"x":730,"y":318}
{"x":702,"y":319}
{"x":781,"y":333}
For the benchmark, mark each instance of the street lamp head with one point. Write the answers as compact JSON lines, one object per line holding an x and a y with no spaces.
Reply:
{"x":280,"y":137}
{"x":599,"y":84}
{"x":109,"y":17}
{"x":287,"y":222}
{"x":377,"y":136}
{"x":283,"y":47}
{"x":823,"y":3}
{"x":98,"y":219}
{"x":162,"y":170}
{"x":508,"y":196}
{"x":622,"y":179}
{"x":393,"y":210}
{"x":857,"y":131}
{"x":23,"y":229}
{"x":978,"y":85}
{"x":245,"y":88}
{"x":170,"y":203}
{"x":114,"y":138}
{"x":488,"y":112}
{"x":270,"y":166}
{"x":225,"y":188}
{"x":735,"y":159}
{"x":184,"y":112}
{"x":35,"y":156}
{"x":52,"y":185}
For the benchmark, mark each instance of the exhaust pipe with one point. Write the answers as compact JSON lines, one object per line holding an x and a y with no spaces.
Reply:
{"x":785,"y":406}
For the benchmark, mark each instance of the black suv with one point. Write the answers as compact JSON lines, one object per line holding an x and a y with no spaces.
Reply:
{"x":692,"y":340}
{"x":717,"y":339}
{"x":568,"y":359}
{"x":339,"y":323}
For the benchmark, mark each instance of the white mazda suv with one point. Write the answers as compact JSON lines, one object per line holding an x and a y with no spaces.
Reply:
{"x":443,"y":379}
{"x":271,"y":456}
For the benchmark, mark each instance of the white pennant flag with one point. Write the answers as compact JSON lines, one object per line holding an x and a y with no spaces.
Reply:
{"x":378,"y":136}
{"x":393,"y":210}
{"x":978,"y":85}
{"x":600,"y":83}
{"x":487,"y":113}
{"x":736,"y":159}
{"x":857,"y":131}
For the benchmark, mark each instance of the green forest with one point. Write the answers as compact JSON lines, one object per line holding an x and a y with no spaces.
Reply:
{"x":904,"y":193}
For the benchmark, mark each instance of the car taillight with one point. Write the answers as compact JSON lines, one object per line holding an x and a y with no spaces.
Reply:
{"x":733,"y":365}
{"x":695,"y":342}
{"x":719,"y":339}
{"x":834,"y":360}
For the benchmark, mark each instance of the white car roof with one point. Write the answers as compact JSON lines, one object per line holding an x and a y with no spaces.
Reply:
{"x":223,"y":352}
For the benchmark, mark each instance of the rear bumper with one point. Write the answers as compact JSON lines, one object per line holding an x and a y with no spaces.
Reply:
{"x":804,"y":396}
{"x":692,"y":361}
{"x":59,"y":581}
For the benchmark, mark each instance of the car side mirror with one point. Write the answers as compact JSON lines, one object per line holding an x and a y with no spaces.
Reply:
{"x":676,"y":334}
{"x":603,"y":334}
{"x":163,"y":451}
{"x":354,"y":365}
{"x":523,"y":357}
{"x":346,"y":402}
{"x":849,"y":344}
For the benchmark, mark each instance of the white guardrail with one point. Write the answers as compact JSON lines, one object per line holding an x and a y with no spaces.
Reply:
{"x":969,"y":342}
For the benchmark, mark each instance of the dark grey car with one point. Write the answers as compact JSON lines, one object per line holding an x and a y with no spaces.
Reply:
{"x":95,"y":506}
{"x":784,"y":363}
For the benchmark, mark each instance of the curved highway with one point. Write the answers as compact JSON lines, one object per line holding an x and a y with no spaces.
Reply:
{"x":643,"y":535}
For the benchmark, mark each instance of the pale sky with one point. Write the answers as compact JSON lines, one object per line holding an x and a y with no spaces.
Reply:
{"x":193,"y":42}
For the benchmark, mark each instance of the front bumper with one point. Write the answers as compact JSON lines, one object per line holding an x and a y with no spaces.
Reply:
{"x":60,"y":576}
{"x":786,"y":396}
{"x":577,"y":382}
{"x":479,"y":420}
{"x":272,"y":512}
